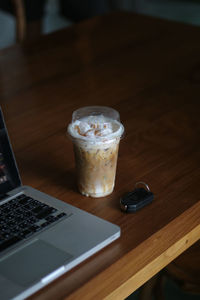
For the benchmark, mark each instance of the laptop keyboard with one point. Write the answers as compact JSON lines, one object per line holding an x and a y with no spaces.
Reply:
{"x":24,"y":216}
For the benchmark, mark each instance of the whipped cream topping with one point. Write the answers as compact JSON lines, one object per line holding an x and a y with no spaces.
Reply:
{"x":96,"y":128}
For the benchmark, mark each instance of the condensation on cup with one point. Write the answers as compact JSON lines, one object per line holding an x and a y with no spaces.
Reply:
{"x":96,"y":132}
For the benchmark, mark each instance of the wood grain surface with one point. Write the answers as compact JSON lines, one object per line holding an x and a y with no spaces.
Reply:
{"x":147,"y":69}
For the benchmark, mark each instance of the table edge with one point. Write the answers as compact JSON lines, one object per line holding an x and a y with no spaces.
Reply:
{"x":134,"y":278}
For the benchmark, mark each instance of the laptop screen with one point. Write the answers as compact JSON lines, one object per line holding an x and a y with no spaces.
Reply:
{"x":9,"y":176}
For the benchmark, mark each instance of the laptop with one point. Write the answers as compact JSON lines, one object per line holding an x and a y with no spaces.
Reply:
{"x":41,"y":237}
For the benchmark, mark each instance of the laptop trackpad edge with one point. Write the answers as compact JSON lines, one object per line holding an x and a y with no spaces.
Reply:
{"x":33,"y":262}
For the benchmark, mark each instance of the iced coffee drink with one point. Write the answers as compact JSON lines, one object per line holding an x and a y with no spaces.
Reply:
{"x":96,"y":133}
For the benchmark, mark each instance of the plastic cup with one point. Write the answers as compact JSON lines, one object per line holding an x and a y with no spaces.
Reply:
{"x":96,"y":155}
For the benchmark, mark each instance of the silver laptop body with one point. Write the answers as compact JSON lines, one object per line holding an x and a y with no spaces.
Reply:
{"x":38,"y":258}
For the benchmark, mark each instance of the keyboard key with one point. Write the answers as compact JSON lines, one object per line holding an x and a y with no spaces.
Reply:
{"x":50,"y":218}
{"x":26,"y":233}
{"x":35,"y":228}
{"x":37,"y":209}
{"x":45,"y":212}
{"x":23,"y":201}
{"x":62,"y":215}
{"x":21,"y":196}
{"x":44,"y":224}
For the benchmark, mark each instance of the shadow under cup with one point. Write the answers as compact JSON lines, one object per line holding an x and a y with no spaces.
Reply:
{"x":96,"y":161}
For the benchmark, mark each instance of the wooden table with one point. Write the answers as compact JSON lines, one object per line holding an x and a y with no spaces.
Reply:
{"x":147,"y":69}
